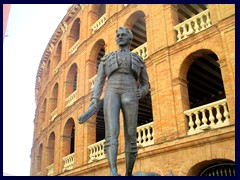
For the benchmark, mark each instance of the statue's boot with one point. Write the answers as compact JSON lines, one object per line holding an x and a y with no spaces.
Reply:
{"x":111,"y":153}
{"x":130,"y":160}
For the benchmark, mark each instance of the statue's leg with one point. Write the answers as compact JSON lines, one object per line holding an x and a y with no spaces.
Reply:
{"x":111,"y":118}
{"x":130,"y":114}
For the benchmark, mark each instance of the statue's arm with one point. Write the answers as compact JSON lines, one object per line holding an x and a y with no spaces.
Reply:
{"x":144,"y":80}
{"x":99,"y":82}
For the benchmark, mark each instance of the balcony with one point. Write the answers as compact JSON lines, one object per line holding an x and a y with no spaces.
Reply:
{"x":74,"y":48}
{"x":92,"y":81}
{"x":209,"y":116}
{"x":193,"y":25}
{"x":50,"y":170}
{"x":71,"y":99}
{"x":142,"y":51}
{"x":96,"y":151}
{"x":98,"y":24}
{"x":145,"y":137}
{"x":54,"y":114}
{"x":68,"y":162}
{"x":57,"y":68}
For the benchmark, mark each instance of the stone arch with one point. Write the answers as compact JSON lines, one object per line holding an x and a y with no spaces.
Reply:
{"x":68,"y":137}
{"x":137,"y":24}
{"x":54,"y":98}
{"x":71,"y":80}
{"x":58,"y":55}
{"x":93,"y":56}
{"x":39,"y":158}
{"x":43,"y":112}
{"x":191,"y":166}
{"x":74,"y":34}
{"x":50,"y":149}
{"x":133,"y":18}
{"x":201,"y":71}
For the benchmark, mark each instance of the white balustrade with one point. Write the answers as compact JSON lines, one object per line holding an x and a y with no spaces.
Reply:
{"x":57,"y":68}
{"x":92,"y":81}
{"x":208,"y":116}
{"x":68,"y":162}
{"x":54,"y":114}
{"x":71,"y":99}
{"x":145,"y":135}
{"x":74,"y":48}
{"x":99,"y":23}
{"x":50,"y":170}
{"x":193,"y":25}
{"x":96,"y":151}
{"x":142,"y":51}
{"x":43,"y":126}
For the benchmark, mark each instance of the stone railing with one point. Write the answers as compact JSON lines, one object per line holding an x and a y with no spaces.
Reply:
{"x":99,"y":23}
{"x":68,"y":162}
{"x":57,"y":68}
{"x":145,"y":137}
{"x":50,"y":170}
{"x":92,"y":81}
{"x":54,"y":114}
{"x":74,"y":48}
{"x":193,"y":25}
{"x":43,"y":126}
{"x":71,"y":99}
{"x":96,"y":151}
{"x":209,"y":116}
{"x":142,"y":51}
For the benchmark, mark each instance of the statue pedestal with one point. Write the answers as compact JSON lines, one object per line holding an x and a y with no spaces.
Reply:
{"x":140,"y":173}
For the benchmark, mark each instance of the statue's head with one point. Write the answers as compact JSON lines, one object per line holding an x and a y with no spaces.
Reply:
{"x":123,"y":37}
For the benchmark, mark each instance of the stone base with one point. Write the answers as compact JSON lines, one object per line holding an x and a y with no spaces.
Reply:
{"x":139,"y":173}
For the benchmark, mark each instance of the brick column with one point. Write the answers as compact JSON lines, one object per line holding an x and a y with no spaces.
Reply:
{"x":229,"y":89}
{"x":171,"y":20}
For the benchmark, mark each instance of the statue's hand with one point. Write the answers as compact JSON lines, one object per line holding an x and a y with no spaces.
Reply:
{"x":138,"y":93}
{"x":94,"y":102}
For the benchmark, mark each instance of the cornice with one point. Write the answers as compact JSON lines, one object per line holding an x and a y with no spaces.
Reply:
{"x":60,"y":30}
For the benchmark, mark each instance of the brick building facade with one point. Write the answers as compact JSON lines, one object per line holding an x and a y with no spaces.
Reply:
{"x":186,"y":123}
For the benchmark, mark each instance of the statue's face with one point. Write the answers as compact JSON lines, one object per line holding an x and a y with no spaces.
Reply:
{"x":122,"y":38}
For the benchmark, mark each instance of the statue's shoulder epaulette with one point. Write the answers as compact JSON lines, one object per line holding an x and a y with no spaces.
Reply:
{"x":107,"y":56}
{"x":137,"y":57}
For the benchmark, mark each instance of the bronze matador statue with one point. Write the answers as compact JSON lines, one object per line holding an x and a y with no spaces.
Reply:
{"x":127,"y":83}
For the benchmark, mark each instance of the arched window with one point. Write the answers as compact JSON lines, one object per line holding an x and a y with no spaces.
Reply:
{"x":101,"y":10}
{"x":50,"y":149}
{"x":39,"y":160}
{"x":54,"y":98}
{"x":205,"y":84}
{"x":208,"y":106}
{"x":71,"y":81}
{"x":43,"y":112}
{"x":58,"y":55}
{"x":68,"y":144}
{"x":74,"y":33}
{"x":219,"y":169}
{"x":136,"y":22}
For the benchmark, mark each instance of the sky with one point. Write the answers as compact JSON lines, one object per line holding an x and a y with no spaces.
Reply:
{"x":29,"y":29}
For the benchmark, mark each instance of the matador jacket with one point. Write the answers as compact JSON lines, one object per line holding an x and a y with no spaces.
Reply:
{"x":109,"y":65}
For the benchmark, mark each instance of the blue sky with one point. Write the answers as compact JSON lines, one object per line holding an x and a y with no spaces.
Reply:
{"x":29,"y":29}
